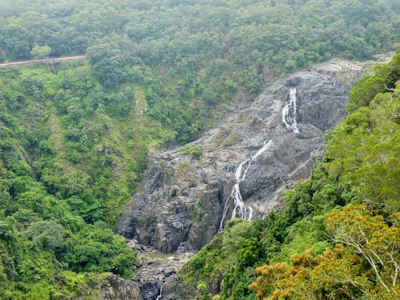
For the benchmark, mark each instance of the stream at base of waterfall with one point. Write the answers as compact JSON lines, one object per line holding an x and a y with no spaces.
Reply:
{"x":240,"y":210}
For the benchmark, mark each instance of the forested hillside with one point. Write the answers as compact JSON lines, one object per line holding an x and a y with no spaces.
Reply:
{"x":193,"y":56}
{"x":338,"y":236}
{"x":74,"y":137}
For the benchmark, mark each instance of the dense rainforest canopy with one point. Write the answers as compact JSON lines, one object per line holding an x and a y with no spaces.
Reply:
{"x":192,"y":52}
{"x":74,"y":137}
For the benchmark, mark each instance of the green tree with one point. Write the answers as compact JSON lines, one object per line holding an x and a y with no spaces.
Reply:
{"x":209,"y":96}
{"x":40,"y":51}
{"x":47,"y":235}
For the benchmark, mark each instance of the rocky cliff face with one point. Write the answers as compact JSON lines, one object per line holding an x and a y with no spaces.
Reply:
{"x":114,"y":288}
{"x":155,"y":269}
{"x":275,"y":141}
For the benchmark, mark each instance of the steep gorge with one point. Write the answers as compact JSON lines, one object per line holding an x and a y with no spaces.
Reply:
{"x":148,"y":76}
{"x":181,"y":203}
{"x":246,"y":164}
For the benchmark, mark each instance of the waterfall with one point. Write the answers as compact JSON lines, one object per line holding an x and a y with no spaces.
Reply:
{"x":159,"y":296}
{"x":289,"y":112}
{"x":240,"y":209}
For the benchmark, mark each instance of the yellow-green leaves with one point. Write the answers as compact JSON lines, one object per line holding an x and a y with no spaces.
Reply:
{"x":372,"y":240}
{"x":364,"y":263}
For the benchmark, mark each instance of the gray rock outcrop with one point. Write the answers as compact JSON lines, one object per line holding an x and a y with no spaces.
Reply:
{"x":155,"y":269}
{"x":181,"y":203}
{"x":114,"y":288}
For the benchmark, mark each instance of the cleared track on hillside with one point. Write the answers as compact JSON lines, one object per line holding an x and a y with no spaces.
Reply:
{"x":42,"y":61}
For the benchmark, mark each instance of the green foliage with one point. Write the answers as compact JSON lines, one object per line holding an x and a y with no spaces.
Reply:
{"x":109,"y":59}
{"x":192,"y":57}
{"x":382,"y":80}
{"x":74,"y":137}
{"x":47,"y":235}
{"x":82,"y":141}
{"x":88,"y":207}
{"x":47,"y":198}
{"x":195,"y":151}
{"x":40,"y":51}
{"x":249,"y":252}
{"x":364,"y":152}
{"x":209,"y":96}
{"x":203,"y":294}
{"x":98,"y":250}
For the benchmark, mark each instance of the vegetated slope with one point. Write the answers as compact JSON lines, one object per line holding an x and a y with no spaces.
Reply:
{"x":75,"y":136}
{"x":51,"y":199}
{"x":338,"y":236}
{"x":193,"y":56}
{"x":163,"y":72}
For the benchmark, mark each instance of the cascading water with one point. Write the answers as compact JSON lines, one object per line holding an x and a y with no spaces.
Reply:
{"x":159,"y":296}
{"x":289,"y":112}
{"x":240,"y":209}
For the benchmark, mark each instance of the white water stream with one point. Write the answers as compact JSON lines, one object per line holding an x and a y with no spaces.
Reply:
{"x":240,"y":209}
{"x":159,"y":296}
{"x":289,"y":112}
